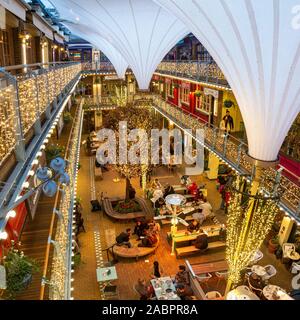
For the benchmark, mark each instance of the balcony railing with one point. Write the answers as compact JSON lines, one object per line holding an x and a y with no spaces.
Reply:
{"x":195,"y":70}
{"x":28,"y":94}
{"x":230,"y":149}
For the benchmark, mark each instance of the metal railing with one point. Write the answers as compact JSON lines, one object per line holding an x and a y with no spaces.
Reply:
{"x":195,"y":70}
{"x":228,"y":148}
{"x":26,"y":96}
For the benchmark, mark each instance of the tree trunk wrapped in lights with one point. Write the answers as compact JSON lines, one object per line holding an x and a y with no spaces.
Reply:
{"x":250,"y":218}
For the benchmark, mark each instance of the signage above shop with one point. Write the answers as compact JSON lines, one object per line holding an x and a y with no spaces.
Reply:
{"x":111,"y":78}
{"x":185,"y":85}
{"x":211,"y":92}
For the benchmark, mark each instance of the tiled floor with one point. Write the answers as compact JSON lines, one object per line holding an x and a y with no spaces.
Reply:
{"x":97,"y":223}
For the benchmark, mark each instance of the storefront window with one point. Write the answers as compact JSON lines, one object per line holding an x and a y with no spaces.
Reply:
{"x":185,"y":95}
{"x":4,"y":49}
{"x":170,"y":89}
{"x":203,"y":103}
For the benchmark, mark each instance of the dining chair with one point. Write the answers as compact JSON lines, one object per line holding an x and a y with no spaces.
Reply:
{"x":295,"y":267}
{"x":223,"y":275}
{"x":259,"y":255}
{"x":204,"y":278}
{"x":213,"y":295}
{"x":270,"y":272}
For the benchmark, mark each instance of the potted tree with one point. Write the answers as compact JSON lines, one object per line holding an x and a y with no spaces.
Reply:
{"x":19,"y":271}
{"x":53,"y":151}
{"x":273,"y":244}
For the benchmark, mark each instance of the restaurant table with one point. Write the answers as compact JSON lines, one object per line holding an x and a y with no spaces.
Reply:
{"x":210,"y":267}
{"x":103,"y":275}
{"x":193,"y":236}
{"x":293,"y":255}
{"x":242,"y":293}
{"x":259,"y":270}
{"x":272,"y":292}
{"x":161,"y":286}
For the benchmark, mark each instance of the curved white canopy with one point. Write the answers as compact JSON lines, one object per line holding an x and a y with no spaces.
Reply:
{"x":100,"y":43}
{"x":258,"y":48}
{"x":139,"y":29}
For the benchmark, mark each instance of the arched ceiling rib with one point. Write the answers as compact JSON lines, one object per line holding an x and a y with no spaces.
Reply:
{"x":140,"y":30}
{"x":256,"y":46}
{"x":100,"y":43}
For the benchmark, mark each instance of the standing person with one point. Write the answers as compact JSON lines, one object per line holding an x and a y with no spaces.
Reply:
{"x":157,"y":271}
{"x":228,"y":122}
{"x":123,"y":238}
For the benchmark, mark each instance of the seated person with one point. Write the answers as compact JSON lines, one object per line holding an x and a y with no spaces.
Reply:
{"x":154,"y":227}
{"x":184,"y":292}
{"x":156,"y":184}
{"x":149,"y":240}
{"x":142,"y":288}
{"x":139,"y":228}
{"x":256,"y":283}
{"x":199,"y":216}
{"x":201,"y":241}
{"x":194,"y":226}
{"x":206,"y":208}
{"x":123,"y":238}
{"x":168,"y":190}
{"x":192,"y":188}
{"x":200,"y":196}
{"x":182,"y":276}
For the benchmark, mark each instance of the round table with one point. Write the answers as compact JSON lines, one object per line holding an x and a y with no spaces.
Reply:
{"x":241,"y":293}
{"x":272,"y":292}
{"x":259,"y":270}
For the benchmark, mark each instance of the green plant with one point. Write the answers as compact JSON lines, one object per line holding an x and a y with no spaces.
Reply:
{"x":53,"y":151}
{"x":67,"y":117}
{"x":228,"y":104}
{"x":76,"y":259}
{"x":198,"y":93}
{"x":127,"y":206}
{"x":19,"y":271}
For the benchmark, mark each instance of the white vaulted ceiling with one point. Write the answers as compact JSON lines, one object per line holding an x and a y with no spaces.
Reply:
{"x":140,"y":30}
{"x":257,"y":46}
{"x":100,"y":43}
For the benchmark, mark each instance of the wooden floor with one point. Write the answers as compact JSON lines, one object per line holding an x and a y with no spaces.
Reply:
{"x":35,"y":234}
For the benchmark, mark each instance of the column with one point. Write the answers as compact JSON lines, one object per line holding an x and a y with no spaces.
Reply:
{"x":213,"y":167}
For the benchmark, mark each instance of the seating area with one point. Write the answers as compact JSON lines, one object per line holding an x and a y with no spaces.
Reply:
{"x":134,"y":252}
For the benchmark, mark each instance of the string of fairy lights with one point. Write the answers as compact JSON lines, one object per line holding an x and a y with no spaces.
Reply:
{"x":7,"y":121}
{"x":239,"y":249}
{"x":60,"y":271}
{"x":35,"y":93}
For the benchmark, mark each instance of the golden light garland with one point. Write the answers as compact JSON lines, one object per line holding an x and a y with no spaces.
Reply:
{"x":7,"y":121}
{"x":60,"y":267}
{"x":245,"y":237}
